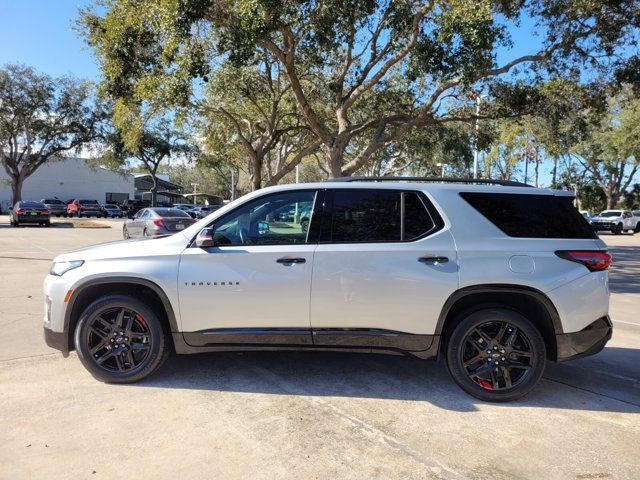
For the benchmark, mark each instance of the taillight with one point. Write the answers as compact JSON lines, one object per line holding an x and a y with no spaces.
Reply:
{"x":45,"y":212}
{"x":594,"y":260}
{"x":20,"y":211}
{"x":158,"y":223}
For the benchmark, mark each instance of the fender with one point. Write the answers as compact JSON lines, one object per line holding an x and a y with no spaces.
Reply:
{"x":121,"y":279}
{"x":500,"y":288}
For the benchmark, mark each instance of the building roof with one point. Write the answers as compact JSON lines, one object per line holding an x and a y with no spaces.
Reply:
{"x":143,"y":182}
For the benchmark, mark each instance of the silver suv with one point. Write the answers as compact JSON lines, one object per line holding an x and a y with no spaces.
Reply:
{"x":478,"y":275}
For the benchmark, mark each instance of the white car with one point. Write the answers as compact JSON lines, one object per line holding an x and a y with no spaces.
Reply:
{"x":616,"y":221}
{"x":478,"y":275}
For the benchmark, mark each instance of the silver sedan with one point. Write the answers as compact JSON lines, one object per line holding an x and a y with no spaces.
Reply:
{"x":154,"y":221}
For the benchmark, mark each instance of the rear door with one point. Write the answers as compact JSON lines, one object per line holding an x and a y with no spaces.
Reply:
{"x":384,"y":267}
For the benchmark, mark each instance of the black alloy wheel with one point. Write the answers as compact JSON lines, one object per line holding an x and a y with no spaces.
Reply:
{"x":496,"y":355}
{"x":119,"y":339}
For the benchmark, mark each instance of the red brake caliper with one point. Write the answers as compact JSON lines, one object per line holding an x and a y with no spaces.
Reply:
{"x":141,"y":320}
{"x":485,"y":384}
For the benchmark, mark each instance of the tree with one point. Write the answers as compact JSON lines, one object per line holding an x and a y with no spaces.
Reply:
{"x":632,"y":198}
{"x":611,"y":153}
{"x":40,"y":119}
{"x":252,"y":108}
{"x":363,"y":73}
{"x":157,"y":141}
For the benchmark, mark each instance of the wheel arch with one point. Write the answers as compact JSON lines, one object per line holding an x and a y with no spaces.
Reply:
{"x":527,"y":301}
{"x":91,"y":290}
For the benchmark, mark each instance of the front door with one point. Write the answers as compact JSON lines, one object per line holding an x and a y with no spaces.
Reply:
{"x":384,"y":267}
{"x":254,"y":285}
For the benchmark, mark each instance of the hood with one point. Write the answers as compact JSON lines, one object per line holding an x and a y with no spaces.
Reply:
{"x":606,"y":219}
{"x":127,"y":248}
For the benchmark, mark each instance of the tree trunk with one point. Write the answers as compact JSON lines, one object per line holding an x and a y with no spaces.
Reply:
{"x":256,"y":172}
{"x":334,"y":160}
{"x":154,"y":190}
{"x":554,"y":172}
{"x":16,"y":188}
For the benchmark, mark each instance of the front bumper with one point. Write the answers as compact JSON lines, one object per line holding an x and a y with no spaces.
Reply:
{"x":57,"y":340}
{"x":588,"y":341}
{"x":598,"y":225}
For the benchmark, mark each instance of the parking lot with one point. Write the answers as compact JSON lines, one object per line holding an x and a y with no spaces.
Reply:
{"x":303,"y":415}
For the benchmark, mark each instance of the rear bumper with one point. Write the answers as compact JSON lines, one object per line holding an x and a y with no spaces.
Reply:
{"x":57,"y":340}
{"x":588,"y":341}
{"x":33,"y":218}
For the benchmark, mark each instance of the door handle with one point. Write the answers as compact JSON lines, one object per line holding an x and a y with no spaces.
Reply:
{"x":433,"y":260}
{"x":287,"y":260}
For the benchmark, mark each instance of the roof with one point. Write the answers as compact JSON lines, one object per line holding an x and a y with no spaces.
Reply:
{"x":143,"y":182}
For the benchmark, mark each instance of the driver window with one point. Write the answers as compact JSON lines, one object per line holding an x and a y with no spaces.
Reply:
{"x":140,"y":214}
{"x":279,"y":219}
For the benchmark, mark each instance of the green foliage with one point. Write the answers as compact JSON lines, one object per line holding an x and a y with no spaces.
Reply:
{"x":364,"y":73}
{"x":42,"y":118}
{"x":631,"y":199}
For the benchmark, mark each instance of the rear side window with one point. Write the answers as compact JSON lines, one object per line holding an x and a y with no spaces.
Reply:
{"x":531,"y":216}
{"x":417,"y":221}
{"x":371,"y":216}
{"x":366,"y":216}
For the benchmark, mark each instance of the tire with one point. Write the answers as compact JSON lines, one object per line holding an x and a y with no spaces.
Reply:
{"x":304,"y":225}
{"x":637,"y":229}
{"x":617,"y":230}
{"x":144,"y":331}
{"x":47,"y":224}
{"x":523,"y":372}
{"x":125,"y":233}
{"x":145,"y":233}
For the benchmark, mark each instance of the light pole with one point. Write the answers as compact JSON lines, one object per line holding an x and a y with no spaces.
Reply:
{"x":475,"y":137}
{"x":441,"y":165}
{"x":195,"y":187}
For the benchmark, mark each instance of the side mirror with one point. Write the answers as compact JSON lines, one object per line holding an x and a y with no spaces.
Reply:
{"x":205,"y":238}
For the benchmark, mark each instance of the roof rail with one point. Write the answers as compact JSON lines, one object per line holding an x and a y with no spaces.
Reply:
{"x":479,"y":181}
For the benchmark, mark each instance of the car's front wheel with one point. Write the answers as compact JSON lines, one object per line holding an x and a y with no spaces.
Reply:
{"x":496,"y":355}
{"x":120,"y":339}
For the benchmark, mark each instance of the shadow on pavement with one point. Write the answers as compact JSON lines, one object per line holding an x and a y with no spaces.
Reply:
{"x":355,"y":375}
{"x":625,"y":271}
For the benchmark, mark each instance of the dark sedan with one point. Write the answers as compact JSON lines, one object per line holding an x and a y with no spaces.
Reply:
{"x":30,"y":212}
{"x":56,"y":206}
{"x":155,"y":221}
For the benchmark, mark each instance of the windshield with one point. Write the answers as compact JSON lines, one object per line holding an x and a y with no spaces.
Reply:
{"x":53,"y":201}
{"x":611,"y":213}
{"x":111,"y":207}
{"x":32,"y":205}
{"x":88,"y":202}
{"x":170,"y":212}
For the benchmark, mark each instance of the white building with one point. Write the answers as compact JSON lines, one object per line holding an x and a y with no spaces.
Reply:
{"x":70,"y":178}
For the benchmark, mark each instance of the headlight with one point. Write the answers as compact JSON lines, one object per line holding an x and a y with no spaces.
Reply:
{"x":60,"y":268}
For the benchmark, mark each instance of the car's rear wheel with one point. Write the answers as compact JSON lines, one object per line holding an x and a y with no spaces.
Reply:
{"x":125,"y":233}
{"x":119,"y":339}
{"x":145,"y":233}
{"x":496,"y":355}
{"x":617,"y":230}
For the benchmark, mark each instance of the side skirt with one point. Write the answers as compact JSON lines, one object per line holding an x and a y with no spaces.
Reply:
{"x":270,"y":339}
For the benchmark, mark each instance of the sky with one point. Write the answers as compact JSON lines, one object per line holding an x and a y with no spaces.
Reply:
{"x":40,"y":34}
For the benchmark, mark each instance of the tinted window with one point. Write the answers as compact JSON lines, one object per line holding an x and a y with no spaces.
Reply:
{"x":31,"y":205}
{"x":417,"y":220}
{"x":170,"y":212}
{"x":531,"y":216}
{"x":262,"y":221}
{"x":53,"y":201}
{"x":365,"y":216}
{"x":88,"y":202}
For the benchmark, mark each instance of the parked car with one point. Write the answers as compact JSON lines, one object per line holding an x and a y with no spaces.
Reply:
{"x":203,"y":211}
{"x":636,"y":216}
{"x":288,"y":216}
{"x":111,"y":210}
{"x":154,"y":221}
{"x":131,"y":207}
{"x":84,"y":208}
{"x":29,"y":212}
{"x":588,"y":216}
{"x":461,"y":271}
{"x":55,"y":206}
{"x":616,"y":221}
